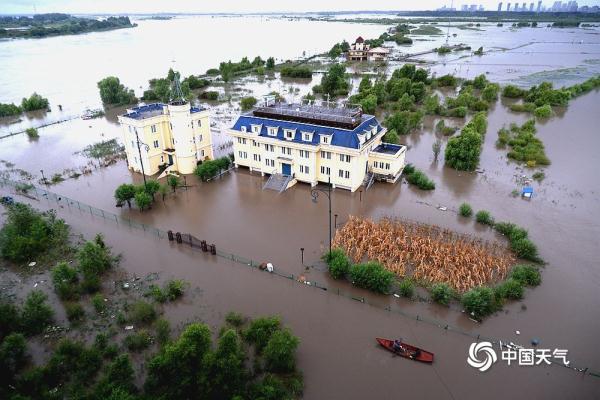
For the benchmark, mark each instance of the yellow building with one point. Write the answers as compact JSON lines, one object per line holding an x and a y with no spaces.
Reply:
{"x":174,"y":136}
{"x":312,"y":144}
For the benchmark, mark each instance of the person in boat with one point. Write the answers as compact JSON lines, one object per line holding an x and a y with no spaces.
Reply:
{"x":398,"y":345}
{"x":416,"y":354}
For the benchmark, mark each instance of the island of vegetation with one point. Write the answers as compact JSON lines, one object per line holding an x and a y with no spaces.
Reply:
{"x":43,"y":25}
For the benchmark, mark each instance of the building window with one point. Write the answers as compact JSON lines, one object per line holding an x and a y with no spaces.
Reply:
{"x":153,"y":128}
{"x":192,"y":124}
{"x":173,"y":140}
{"x":387,"y":165}
{"x":344,"y":174}
{"x":289,"y":134}
{"x":326,"y":155}
{"x":325,"y":139}
{"x":243,"y":154}
{"x":304,"y":154}
{"x":344,"y":157}
{"x":272,"y":131}
{"x":306,"y":137}
{"x":286,"y":151}
{"x":243,"y":129}
{"x":325,"y":170}
{"x":202,"y":153}
{"x":270,"y":163}
{"x":199,"y":138}
{"x":257,"y":157}
{"x":162,"y":159}
{"x":304,"y":169}
{"x":269,"y":147}
{"x":243,"y":141}
{"x":199,"y":123}
{"x":347,"y":174}
{"x":255,"y":128}
{"x":156,"y":144}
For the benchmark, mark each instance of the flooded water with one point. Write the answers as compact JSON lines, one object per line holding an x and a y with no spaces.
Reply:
{"x":338,"y":353}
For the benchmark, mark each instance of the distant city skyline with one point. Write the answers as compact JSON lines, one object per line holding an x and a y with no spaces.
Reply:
{"x":239,"y":6}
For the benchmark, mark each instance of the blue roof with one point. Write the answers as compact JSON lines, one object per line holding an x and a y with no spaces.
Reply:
{"x":152,"y":110}
{"x":341,"y":137}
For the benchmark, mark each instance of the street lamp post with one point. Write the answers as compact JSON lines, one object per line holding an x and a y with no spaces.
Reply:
{"x":147,"y":148}
{"x":315,"y":194}
{"x":302,"y":254}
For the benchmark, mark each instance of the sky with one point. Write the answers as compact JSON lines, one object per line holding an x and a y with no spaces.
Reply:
{"x":239,"y":6}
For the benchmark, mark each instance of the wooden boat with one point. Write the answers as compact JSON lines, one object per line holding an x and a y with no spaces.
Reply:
{"x":407,"y":351}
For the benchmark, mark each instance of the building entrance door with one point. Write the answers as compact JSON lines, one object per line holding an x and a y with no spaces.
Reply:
{"x":286,"y":169}
{"x":170,"y":159}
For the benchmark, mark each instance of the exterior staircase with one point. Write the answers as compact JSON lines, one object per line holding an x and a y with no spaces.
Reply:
{"x":278,"y":182}
{"x":368,"y":181}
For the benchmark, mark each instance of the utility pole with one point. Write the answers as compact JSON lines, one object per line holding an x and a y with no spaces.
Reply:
{"x":146,"y":147}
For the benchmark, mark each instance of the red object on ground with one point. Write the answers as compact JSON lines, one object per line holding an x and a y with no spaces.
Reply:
{"x":407,"y":351}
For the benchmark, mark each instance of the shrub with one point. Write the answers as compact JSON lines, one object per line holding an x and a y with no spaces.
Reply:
{"x":65,"y":280}
{"x":490,"y":92}
{"x":112,"y":92}
{"x":484,"y":217}
{"x":174,"y":289}
{"x":421,"y":180}
{"x":513,"y":92}
{"x":234,"y":319}
{"x":248,"y":102}
{"x":75,"y":312}
{"x":539,"y":176}
{"x":10,"y":320}
{"x":32,"y":133}
{"x":525,"y":249}
{"x":8,"y":110}
{"x":465,"y":210}
{"x":98,"y":303}
{"x":156,"y":293}
{"x":446,"y":80}
{"x":526,"y":274}
{"x":441,"y":293}
{"x":296,"y":72}
{"x":34,"y":102}
{"x":36,"y":314}
{"x":406,"y":288}
{"x":280,"y":351}
{"x":391,"y":137}
{"x":163,"y":331}
{"x":338,"y":262}
{"x":544,"y":111}
{"x":457,"y":112}
{"x":138,"y":341}
{"x":141,"y":312}
{"x":373,"y":276}
{"x":510,"y":289}
{"x":209,"y":95}
{"x":479,"y":301}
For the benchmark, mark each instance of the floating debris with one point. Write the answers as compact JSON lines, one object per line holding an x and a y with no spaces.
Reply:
{"x":32,"y":264}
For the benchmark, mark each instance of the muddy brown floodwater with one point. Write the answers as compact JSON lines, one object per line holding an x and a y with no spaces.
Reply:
{"x":338,"y":353}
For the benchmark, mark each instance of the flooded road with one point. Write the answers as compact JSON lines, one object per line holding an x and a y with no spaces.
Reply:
{"x":338,"y":353}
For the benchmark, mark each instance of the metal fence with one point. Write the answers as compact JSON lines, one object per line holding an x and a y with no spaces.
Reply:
{"x":186,"y":239}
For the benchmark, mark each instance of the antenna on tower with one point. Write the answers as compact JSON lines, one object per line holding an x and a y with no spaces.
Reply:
{"x":176,"y":92}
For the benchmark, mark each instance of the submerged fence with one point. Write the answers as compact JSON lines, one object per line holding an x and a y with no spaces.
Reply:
{"x":186,"y":239}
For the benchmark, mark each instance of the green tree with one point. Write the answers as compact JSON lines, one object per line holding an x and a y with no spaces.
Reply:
{"x":10,"y":320}
{"x":462,"y":152}
{"x":391,"y":137}
{"x":338,"y":263}
{"x":248,"y":102}
{"x":260,"y":331}
{"x":112,"y":92}
{"x":184,"y":362}
{"x":490,"y":92}
{"x":365,"y":85}
{"x":125,"y":193}
{"x":334,"y":81}
{"x":431,"y":105}
{"x":227,"y":372}
{"x":118,"y":376}
{"x":480,"y":82}
{"x":163,"y":190}
{"x":163,"y":331}
{"x":142,"y":200}
{"x":369,"y":104}
{"x":152,"y":187}
{"x":13,"y":358}
{"x":174,"y":182}
{"x":36,"y":314}
{"x":270,"y":63}
{"x":436,"y":147}
{"x":280,"y":352}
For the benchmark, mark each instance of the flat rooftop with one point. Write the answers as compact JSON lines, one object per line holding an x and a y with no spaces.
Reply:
{"x":152,"y":110}
{"x":338,"y":117}
{"x":388,"y":148}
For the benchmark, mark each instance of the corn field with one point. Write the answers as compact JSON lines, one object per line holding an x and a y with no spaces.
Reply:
{"x":428,"y":253}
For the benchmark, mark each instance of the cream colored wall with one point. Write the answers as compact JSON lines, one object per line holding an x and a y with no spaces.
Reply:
{"x":356,"y":167}
{"x":188,"y":145}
